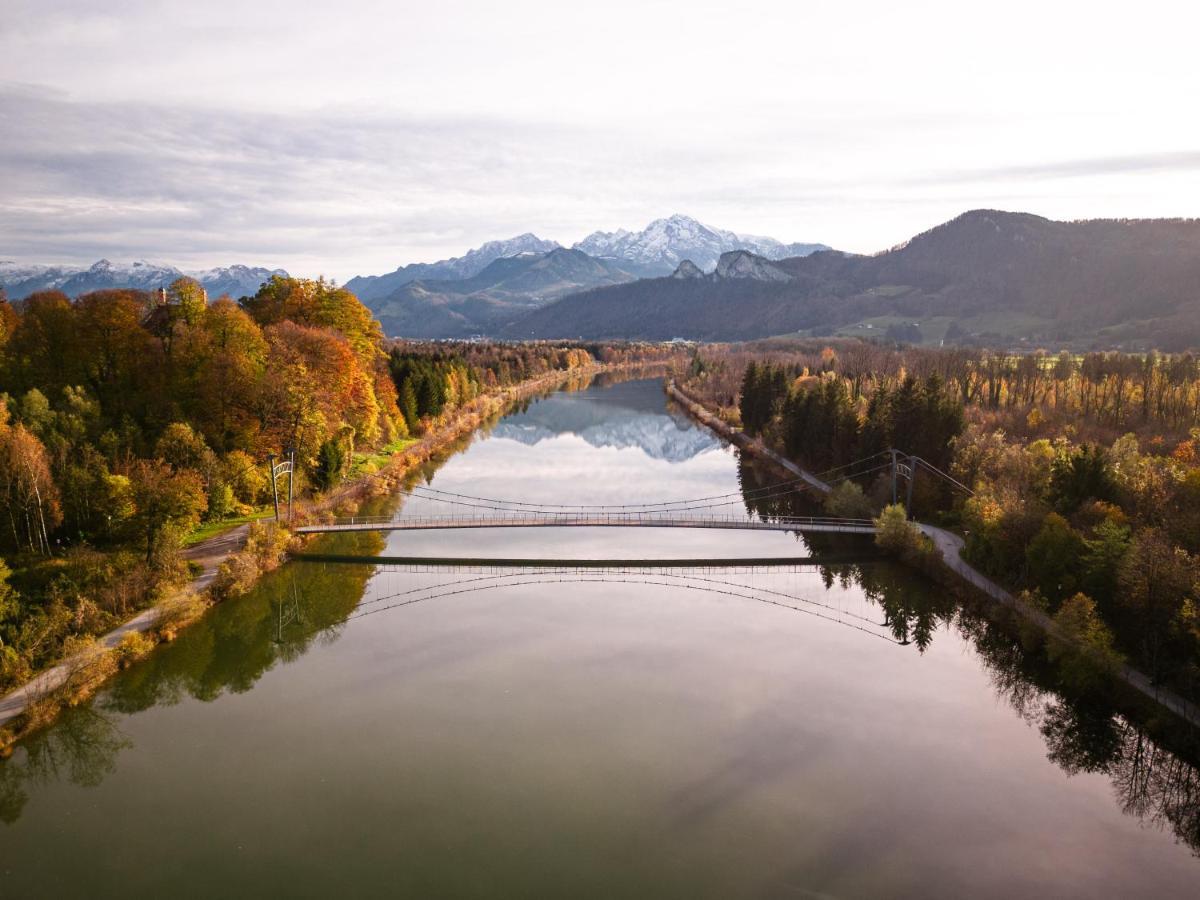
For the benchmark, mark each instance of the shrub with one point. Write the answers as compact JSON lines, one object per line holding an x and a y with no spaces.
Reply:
{"x":88,"y":664}
{"x":848,"y":501}
{"x":896,"y":535}
{"x":178,"y":612}
{"x":132,"y":647}
{"x":265,"y":546}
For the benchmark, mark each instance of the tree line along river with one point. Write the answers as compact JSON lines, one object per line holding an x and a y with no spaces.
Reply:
{"x":840,"y":728}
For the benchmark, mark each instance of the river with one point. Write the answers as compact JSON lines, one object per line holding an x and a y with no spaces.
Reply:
{"x":842,"y":729}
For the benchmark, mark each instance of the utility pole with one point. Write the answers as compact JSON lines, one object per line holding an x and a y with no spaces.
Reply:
{"x":274,"y":488}
{"x":893,"y":452}
{"x":292,"y":477}
{"x":912,"y":476}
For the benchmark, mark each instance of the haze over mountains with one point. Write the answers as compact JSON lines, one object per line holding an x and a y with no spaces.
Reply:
{"x":19,"y":281}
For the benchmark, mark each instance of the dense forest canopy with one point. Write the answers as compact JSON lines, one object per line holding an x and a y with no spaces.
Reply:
{"x":1082,"y":473}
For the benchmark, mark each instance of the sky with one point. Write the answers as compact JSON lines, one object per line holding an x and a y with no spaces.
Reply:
{"x":353,"y":137}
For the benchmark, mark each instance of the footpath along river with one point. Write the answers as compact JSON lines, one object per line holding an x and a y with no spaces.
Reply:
{"x":837,"y":729}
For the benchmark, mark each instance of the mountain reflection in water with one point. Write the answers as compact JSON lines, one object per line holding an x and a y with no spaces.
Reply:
{"x":620,"y":417}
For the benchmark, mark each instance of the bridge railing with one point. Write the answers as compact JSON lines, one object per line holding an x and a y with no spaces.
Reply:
{"x":610,"y":518}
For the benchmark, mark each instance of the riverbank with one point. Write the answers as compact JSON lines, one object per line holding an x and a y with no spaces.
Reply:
{"x":949,"y":550}
{"x":232,"y":561}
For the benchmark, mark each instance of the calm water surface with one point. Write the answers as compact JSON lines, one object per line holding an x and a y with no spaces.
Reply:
{"x":839,"y":731}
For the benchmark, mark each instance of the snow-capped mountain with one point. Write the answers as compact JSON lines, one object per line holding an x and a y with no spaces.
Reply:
{"x":236,"y":280}
{"x":661,"y":246}
{"x":658,"y":436}
{"x":470,"y":264}
{"x":19,"y":280}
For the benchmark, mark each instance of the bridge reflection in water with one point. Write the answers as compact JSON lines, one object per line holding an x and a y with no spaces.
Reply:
{"x":720,"y":577}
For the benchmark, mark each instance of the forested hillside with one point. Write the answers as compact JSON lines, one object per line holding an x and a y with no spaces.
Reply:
{"x":987,"y":277}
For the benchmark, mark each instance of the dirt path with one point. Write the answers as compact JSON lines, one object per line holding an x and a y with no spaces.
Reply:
{"x":209,"y":554}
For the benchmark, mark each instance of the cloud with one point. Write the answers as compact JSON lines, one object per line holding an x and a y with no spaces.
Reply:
{"x":328,"y":192}
{"x":1129,"y":164}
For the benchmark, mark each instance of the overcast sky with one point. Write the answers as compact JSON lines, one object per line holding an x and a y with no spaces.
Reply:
{"x":350,"y":137}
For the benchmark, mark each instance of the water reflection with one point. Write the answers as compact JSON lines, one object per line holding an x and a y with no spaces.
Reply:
{"x":621,"y":416}
{"x":278,"y":622}
{"x":427,"y":622}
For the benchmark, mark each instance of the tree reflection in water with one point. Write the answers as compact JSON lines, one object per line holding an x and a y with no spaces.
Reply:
{"x":81,"y":748}
{"x":305,"y":604}
{"x":288,"y":612}
{"x":1083,"y":733}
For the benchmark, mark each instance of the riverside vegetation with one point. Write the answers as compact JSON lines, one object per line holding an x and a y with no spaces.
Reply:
{"x":128,"y":421}
{"x":1084,"y":473}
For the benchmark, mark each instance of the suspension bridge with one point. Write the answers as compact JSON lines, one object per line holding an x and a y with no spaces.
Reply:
{"x":610,"y":520}
{"x":467,"y":511}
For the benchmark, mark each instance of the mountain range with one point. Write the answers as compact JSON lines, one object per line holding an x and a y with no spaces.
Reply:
{"x":19,"y":281}
{"x":987,"y":277}
{"x":663,"y":244}
{"x":503,"y":291}
{"x":494,"y":285}
{"x":369,"y":288}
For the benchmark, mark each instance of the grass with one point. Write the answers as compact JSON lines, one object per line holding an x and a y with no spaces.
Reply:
{"x":212,"y":529}
{"x":373,"y":461}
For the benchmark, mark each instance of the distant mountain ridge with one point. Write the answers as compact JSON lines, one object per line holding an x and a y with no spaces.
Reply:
{"x":471,"y":263}
{"x":467,"y":295}
{"x":987,"y":276}
{"x":503,"y":291}
{"x":19,"y":281}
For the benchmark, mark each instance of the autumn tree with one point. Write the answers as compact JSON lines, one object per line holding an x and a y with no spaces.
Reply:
{"x":1156,"y":580}
{"x":29,"y":494}
{"x":166,"y":503}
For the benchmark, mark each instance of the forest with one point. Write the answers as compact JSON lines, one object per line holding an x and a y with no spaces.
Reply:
{"x":1079,"y":476}
{"x":132,"y":423}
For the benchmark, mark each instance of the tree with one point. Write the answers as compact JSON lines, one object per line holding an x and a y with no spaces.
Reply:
{"x":1082,"y":644}
{"x":1156,"y":580}
{"x":319,"y":304}
{"x":1053,"y":558}
{"x":27,"y":490}
{"x":188,"y":299}
{"x":1080,"y":476}
{"x":166,"y":502}
{"x":330,"y":461}
{"x":1101,"y":563}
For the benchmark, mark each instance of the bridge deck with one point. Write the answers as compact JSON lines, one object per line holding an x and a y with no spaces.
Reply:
{"x":840,"y":526}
